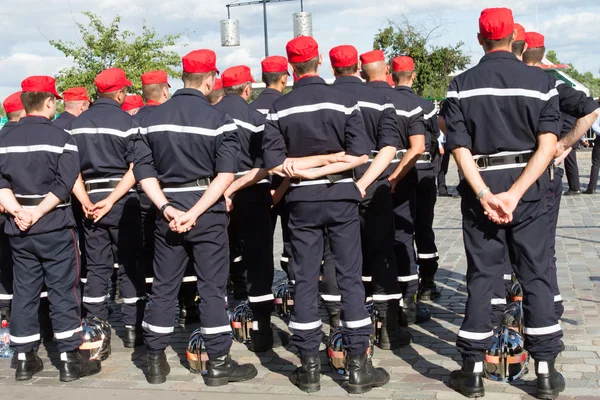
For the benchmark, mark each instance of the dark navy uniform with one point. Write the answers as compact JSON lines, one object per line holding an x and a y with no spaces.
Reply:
{"x":499,"y":125}
{"x":63,"y":120}
{"x":265,"y":100}
{"x":6,"y":263}
{"x":37,"y":158}
{"x":250,"y":229}
{"x":315,"y":119}
{"x":103,"y":133}
{"x":184,"y":143}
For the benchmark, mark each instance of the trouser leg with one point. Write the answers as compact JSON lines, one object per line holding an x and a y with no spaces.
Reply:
{"x":572,"y":170}
{"x":328,"y":288}
{"x":148,"y":215}
{"x":595,"y":165}
{"x":211,"y":261}
{"x":499,"y":296}
{"x":444,"y":162}
{"x":553,"y":196}
{"x":237,"y":272}
{"x":427,"y":254}
{"x":170,"y":260}
{"x":28,"y":280}
{"x":6,"y":270}
{"x":100,"y":266}
{"x":282,"y":211}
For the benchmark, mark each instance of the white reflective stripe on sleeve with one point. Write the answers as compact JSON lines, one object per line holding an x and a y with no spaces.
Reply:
{"x":261,"y":299}
{"x":427,"y":256}
{"x":305,"y":326}
{"x":6,"y":296}
{"x":94,"y":300}
{"x":507,"y":277}
{"x":559,"y":82}
{"x":542,"y":331}
{"x":431,"y":114}
{"x":25,"y":339}
{"x":386,"y":297}
{"x":375,"y":106}
{"x":44,"y":294}
{"x":67,"y":334}
{"x":366,"y":278}
{"x":356,"y":324}
{"x":408,"y":278}
{"x":131,"y":300}
{"x":557,"y":298}
{"x":475,"y":335}
{"x":36,"y":148}
{"x":158,"y":329}
{"x":312,"y":108}
{"x":189,"y":129}
{"x":498,"y":301}
{"x":503,"y":92}
{"x":331,"y":297}
{"x":263,"y":111}
{"x":321,"y":182}
{"x":190,"y":279}
{"x":103,"y":131}
{"x":250,"y":127}
{"x":408,"y":114}
{"x":215,"y":330}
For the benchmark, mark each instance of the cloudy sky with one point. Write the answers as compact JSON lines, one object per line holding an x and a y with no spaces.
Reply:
{"x":570,"y":27}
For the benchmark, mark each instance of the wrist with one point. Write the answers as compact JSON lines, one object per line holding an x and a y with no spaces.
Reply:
{"x":482,"y":193}
{"x":164,"y":208}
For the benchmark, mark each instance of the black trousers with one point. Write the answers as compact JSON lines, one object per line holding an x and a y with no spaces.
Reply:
{"x":572,"y":170}
{"x":206,"y":244}
{"x":442,"y":170}
{"x":122,"y":230}
{"x":553,"y":196}
{"x":6,"y":268}
{"x":427,"y":253}
{"x":595,"y":164}
{"x":148,"y":215}
{"x":309,"y":222}
{"x":250,"y":235}
{"x":404,"y":201}
{"x":488,"y":248}
{"x":281,"y":210}
{"x":51,"y":258}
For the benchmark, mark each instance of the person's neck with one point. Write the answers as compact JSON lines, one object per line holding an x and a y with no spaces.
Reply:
{"x":202,"y":89}
{"x":308,"y":75}
{"x":277,"y":87}
{"x":245,"y":97}
{"x":38,"y":114}
{"x":72,"y":112}
{"x":406,"y":84}
{"x":376,"y":77}
{"x":346,"y":75}
{"x":496,"y":50}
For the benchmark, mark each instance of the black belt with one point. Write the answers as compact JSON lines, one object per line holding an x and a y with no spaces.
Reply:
{"x":197,"y":183}
{"x":484,"y":162}
{"x":423,"y":157}
{"x":35,"y":201}
{"x":333,"y":178}
{"x":111,"y":184}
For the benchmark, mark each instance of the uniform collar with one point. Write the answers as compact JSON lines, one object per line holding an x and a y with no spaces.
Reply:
{"x":272,"y":91}
{"x":152,"y":103}
{"x":405,"y":88}
{"x":190,"y":92}
{"x":310,"y":80}
{"x":34,"y":119}
{"x":107,"y":102}
{"x":10,"y":123}
{"x":495,"y":55}
{"x":379,"y":84}
{"x":67,"y":115}
{"x":347,"y":79}
{"x":234,"y":98}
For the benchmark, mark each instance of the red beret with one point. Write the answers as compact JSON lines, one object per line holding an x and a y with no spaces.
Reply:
{"x":76,"y":94}
{"x":390,"y":81}
{"x":275,"y":64}
{"x":520,"y":32}
{"x":40,"y":84}
{"x":343,"y":56}
{"x":13,"y":103}
{"x":236,"y":76}
{"x":200,"y":62}
{"x":372,"y":56}
{"x":534,"y":40}
{"x":155,"y":77}
{"x":496,"y":23}
{"x":402,"y":64}
{"x":301,"y":49}
{"x":133,"y":101}
{"x":111,"y":80}
{"x":218,"y":84}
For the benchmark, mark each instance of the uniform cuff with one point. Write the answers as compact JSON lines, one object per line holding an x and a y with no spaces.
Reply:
{"x":227,"y":166}
{"x":272,"y":161}
{"x":142,"y":172}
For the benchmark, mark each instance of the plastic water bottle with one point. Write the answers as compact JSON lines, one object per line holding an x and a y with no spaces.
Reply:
{"x":5,"y":350}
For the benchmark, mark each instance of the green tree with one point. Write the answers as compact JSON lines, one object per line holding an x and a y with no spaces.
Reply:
{"x":107,"y":46}
{"x":433,"y":64}
{"x":587,"y":78}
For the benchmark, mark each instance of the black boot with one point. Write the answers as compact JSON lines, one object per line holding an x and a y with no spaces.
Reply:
{"x":224,"y":370}
{"x":412,"y":313}
{"x":158,"y":368}
{"x":363,"y":376}
{"x":261,"y":339}
{"x":307,"y":377}
{"x":550,"y":382}
{"x":467,"y":382}
{"x":133,"y":337}
{"x":26,"y":368}
{"x":391,"y":336}
{"x":428,"y":290}
{"x":75,"y":366}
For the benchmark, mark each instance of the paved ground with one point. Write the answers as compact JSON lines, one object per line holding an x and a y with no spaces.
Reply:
{"x":418,"y":372}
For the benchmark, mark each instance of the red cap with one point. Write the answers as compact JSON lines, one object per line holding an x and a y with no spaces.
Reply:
{"x":236,"y":76}
{"x":520,"y":32}
{"x":200,"y":62}
{"x":534,"y":40}
{"x":111,"y":80}
{"x":390,"y":81}
{"x":275,"y":64}
{"x":155,"y":77}
{"x":13,"y":103}
{"x":496,"y":23}
{"x":218,"y":84}
{"x":301,"y":49}
{"x":343,"y":56}
{"x":76,"y":94}
{"x":40,"y":84}
{"x":372,"y":56}
{"x":133,"y":101}
{"x":402,"y":64}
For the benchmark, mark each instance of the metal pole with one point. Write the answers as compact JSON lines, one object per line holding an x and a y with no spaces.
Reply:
{"x":266,"y":29}
{"x":301,"y":6}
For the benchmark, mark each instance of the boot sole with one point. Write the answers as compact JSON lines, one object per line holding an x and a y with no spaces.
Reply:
{"x":224,"y":381}
{"x":358,"y":389}
{"x":158,"y":379}
{"x":71,"y":378}
{"x":466,"y":393}
{"x":549,"y":395}
{"x":307,"y":388}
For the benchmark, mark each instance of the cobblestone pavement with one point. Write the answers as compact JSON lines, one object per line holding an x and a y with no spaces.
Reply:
{"x":417,"y":372}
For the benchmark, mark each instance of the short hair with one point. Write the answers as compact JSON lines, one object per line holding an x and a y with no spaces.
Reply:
{"x":195,"y":80}
{"x":491,"y":44}
{"x":153,"y":91}
{"x":33,"y":101}
{"x":402,"y":76}
{"x":271,"y":78}
{"x":237,"y":89}
{"x":306,"y":67}
{"x":215,"y":95}
{"x":534,"y":56}
{"x":14,"y":115}
{"x":349,"y":70}
{"x":517,"y":47}
{"x":112,"y":95}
